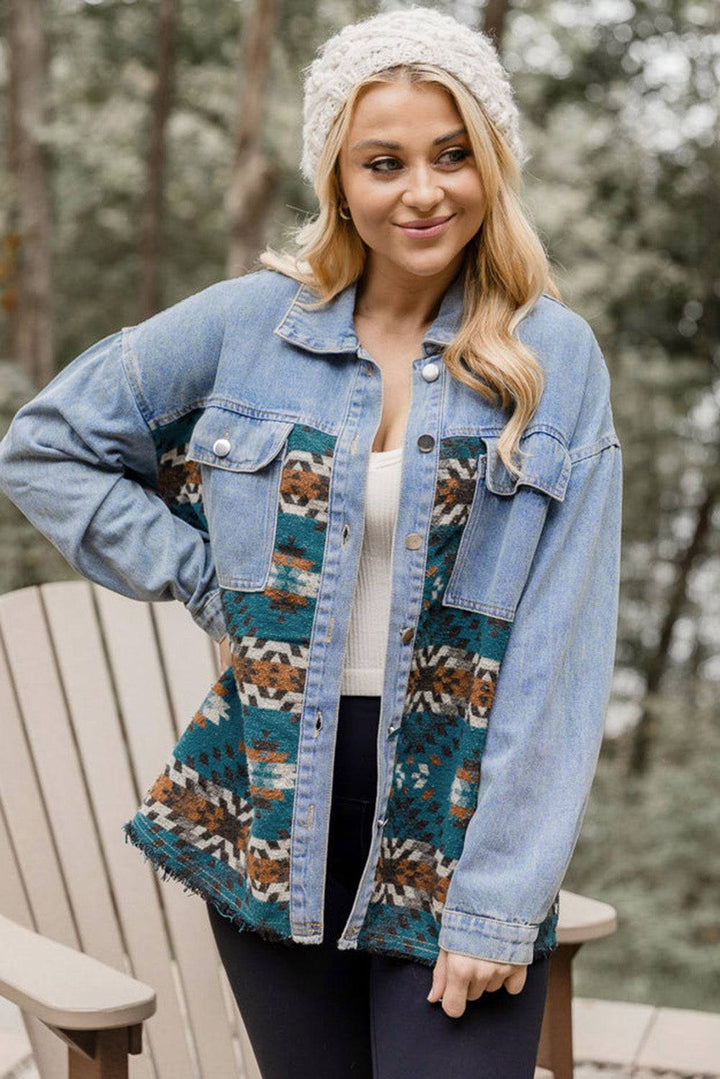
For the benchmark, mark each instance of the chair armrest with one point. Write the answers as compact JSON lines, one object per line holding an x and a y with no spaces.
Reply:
{"x":582,"y":918}
{"x":65,"y":987}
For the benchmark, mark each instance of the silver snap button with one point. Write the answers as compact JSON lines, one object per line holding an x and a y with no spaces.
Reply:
{"x":221,"y":447}
{"x":381,"y":822}
{"x":413,"y":541}
{"x":393,"y":730}
{"x":430,"y":372}
{"x":426,"y":443}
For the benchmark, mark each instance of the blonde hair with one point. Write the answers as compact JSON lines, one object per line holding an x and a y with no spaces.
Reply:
{"x":505,"y":268}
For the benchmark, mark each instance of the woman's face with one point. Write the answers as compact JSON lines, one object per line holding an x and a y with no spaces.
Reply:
{"x":428,"y":172}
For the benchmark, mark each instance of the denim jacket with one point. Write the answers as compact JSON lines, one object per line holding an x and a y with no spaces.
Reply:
{"x":217,"y":454}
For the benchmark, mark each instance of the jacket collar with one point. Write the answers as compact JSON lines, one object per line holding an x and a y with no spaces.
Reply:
{"x":331,"y":328}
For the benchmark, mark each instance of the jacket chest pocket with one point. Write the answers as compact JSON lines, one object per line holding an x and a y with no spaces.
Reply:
{"x":504,"y":524}
{"x":241,"y":460}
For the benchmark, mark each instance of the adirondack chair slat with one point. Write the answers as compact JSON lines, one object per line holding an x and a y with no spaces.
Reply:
{"x":145,"y":662}
{"x":129,"y":636}
{"x":36,"y":678}
{"x":30,"y":660}
{"x":84,"y":646}
{"x":189,"y":658}
{"x":14,"y":904}
{"x":82,"y":879}
{"x":43,"y":793}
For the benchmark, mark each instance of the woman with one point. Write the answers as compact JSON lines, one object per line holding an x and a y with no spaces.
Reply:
{"x":393,"y":493}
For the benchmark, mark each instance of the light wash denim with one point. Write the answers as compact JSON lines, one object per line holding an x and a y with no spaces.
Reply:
{"x":538,"y":557}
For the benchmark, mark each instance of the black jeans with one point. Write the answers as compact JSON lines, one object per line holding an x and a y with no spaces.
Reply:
{"x":314,"y":1012}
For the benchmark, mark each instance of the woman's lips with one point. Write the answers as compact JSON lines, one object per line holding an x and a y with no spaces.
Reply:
{"x":426,"y":233}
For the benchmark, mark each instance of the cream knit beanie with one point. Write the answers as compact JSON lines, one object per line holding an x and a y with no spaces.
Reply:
{"x":413,"y":33}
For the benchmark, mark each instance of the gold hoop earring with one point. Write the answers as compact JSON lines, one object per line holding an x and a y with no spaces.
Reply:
{"x":342,"y":215}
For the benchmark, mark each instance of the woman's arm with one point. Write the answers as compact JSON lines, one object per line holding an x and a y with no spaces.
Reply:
{"x":547,"y":719}
{"x":80,"y":461}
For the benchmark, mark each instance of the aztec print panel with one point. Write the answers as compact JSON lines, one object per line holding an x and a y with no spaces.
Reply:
{"x":179,"y":481}
{"x":270,"y":635}
{"x":457,"y":655}
{"x":220,"y":815}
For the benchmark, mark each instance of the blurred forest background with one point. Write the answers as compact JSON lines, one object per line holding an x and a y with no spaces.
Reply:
{"x":151,"y":147}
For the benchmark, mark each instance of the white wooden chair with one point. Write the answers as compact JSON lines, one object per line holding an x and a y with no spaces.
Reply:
{"x":95,"y":689}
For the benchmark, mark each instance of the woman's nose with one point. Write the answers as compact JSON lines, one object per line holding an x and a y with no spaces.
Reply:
{"x":422,"y":189}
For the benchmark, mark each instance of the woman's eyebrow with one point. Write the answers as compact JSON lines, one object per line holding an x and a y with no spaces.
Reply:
{"x":398,"y":145}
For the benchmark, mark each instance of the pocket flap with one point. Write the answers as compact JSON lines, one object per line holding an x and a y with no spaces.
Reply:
{"x":234,"y":441}
{"x":547,"y":466}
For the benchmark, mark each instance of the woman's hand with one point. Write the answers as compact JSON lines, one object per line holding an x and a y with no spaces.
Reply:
{"x":225,"y":655}
{"x":457,"y":978}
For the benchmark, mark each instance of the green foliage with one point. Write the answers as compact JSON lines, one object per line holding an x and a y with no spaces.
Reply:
{"x":649,"y":847}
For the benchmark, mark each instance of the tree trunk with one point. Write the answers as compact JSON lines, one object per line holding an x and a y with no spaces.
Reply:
{"x":254,"y":177}
{"x":153,"y":213}
{"x":643,"y":732}
{"x":494,"y":19}
{"x":30,"y":300}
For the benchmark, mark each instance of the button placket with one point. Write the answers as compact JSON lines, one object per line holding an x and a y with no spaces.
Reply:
{"x":426,"y":443}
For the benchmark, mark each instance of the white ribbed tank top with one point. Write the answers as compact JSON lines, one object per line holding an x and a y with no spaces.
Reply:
{"x":364,"y":663}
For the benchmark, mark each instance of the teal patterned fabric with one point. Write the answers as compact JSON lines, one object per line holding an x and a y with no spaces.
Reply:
{"x":219,"y":816}
{"x":454,"y":669}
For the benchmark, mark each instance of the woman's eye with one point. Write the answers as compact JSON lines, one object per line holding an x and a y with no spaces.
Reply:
{"x":374,"y":166}
{"x":459,"y":150}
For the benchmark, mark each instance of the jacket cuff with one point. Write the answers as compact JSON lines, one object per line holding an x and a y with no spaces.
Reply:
{"x":210,"y":616}
{"x":487,"y":938}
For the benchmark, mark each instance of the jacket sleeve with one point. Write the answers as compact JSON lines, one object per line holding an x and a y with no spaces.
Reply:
{"x":81,"y":461}
{"x":546,"y":723}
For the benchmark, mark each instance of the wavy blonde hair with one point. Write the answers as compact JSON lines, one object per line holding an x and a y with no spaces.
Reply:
{"x":505,"y":268}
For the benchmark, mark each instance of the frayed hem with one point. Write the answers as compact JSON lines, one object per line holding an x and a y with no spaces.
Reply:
{"x":159,"y":861}
{"x":395,"y":953}
{"x":545,"y":952}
